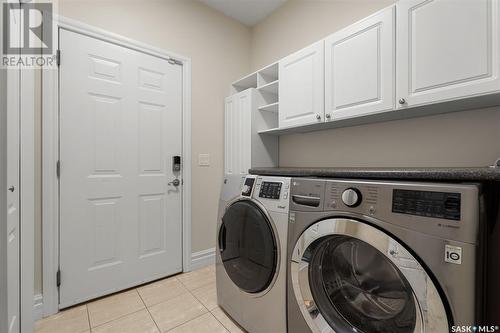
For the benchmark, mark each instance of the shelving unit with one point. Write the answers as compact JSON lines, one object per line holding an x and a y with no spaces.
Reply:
{"x":251,"y":108}
{"x":272,"y":107}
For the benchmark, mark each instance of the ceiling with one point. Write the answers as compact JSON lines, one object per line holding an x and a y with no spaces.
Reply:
{"x":248,"y":12}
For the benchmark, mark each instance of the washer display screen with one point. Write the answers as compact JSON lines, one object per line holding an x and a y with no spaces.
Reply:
{"x":270,"y":190}
{"x":441,"y":205}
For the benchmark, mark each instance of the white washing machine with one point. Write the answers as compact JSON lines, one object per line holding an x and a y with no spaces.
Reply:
{"x":251,"y":252}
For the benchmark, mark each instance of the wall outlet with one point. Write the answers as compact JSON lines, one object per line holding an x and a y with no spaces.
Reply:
{"x":204,"y":159}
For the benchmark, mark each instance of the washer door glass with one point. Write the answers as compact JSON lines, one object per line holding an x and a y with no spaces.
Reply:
{"x":356,"y":286}
{"x":248,"y":247}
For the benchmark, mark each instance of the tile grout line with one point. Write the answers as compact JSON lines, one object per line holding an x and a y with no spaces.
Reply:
{"x":88,"y":317}
{"x":194,"y":296}
{"x":188,"y":292}
{"x":147,"y":309}
{"x":220,"y":322}
{"x":115,"y":319}
{"x":209,"y":311}
{"x":120,"y":317}
{"x":190,"y":320}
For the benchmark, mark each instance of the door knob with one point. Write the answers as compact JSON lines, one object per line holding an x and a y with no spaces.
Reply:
{"x":402,"y":101}
{"x":318,"y":116}
{"x":328,"y":116}
{"x":12,"y":188}
{"x":175,"y":182}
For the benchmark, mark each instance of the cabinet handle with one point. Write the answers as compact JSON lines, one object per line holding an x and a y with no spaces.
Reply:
{"x":328,"y":116}
{"x":402,"y":101}
{"x":318,"y":116}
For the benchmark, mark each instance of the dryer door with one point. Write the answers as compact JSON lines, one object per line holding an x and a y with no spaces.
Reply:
{"x":348,"y":276}
{"x":248,"y":246}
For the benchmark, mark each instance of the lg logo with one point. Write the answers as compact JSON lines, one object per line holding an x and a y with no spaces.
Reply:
{"x":24,"y":29}
{"x":453,"y":254}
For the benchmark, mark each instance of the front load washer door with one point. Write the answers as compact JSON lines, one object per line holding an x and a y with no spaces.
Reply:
{"x":248,"y":247}
{"x":348,"y":276}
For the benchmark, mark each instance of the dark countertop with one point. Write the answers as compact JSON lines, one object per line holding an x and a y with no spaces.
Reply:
{"x":436,"y":174}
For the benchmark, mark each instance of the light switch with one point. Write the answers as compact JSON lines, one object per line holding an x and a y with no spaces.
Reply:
{"x":203,"y":159}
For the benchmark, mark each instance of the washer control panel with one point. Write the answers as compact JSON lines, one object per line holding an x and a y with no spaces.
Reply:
{"x":441,"y":205}
{"x":270,"y":190}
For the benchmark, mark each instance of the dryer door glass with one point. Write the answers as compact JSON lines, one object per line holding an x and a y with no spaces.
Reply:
{"x":355,"y":285}
{"x":248,"y":246}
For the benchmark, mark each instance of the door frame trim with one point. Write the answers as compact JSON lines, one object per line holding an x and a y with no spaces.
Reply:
{"x":24,"y":93}
{"x":50,"y":147}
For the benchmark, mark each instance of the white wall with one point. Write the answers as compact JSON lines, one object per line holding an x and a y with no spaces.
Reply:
{"x":469,"y":138}
{"x":219,"y":48}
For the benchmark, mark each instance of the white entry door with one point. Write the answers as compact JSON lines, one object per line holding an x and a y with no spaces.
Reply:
{"x":120,"y":126}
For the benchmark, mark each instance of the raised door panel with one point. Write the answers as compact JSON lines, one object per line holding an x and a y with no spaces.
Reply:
{"x":446,"y":50}
{"x":244,"y":134}
{"x":229,"y":136}
{"x":301,"y":88}
{"x":359,"y":68}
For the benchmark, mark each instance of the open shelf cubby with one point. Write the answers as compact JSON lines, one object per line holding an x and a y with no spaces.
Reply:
{"x":272,"y":107}
{"x":267,"y":75}
{"x":271,"y":87}
{"x":249,"y":81}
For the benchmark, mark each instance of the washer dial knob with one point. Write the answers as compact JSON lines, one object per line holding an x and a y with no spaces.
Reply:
{"x":351,"y":197}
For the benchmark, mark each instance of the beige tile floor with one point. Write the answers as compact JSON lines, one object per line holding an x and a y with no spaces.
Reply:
{"x":185,"y":303}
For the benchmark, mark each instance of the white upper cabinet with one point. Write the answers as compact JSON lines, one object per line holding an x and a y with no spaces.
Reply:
{"x":446,"y":50}
{"x":359,"y":67}
{"x":301,"y":87}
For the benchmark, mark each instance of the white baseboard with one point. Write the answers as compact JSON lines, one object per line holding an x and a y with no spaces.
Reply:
{"x":38,"y":307}
{"x":202,"y":258}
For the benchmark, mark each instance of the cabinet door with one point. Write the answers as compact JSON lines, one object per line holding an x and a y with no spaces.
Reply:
{"x":243,"y":131}
{"x":446,"y":50}
{"x":230,"y":139}
{"x":301,"y":87}
{"x":359,"y":67}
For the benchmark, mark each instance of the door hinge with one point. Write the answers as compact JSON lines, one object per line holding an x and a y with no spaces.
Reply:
{"x":58,"y":277}
{"x":174,"y":61}
{"x":58,"y":169}
{"x":58,"y":58}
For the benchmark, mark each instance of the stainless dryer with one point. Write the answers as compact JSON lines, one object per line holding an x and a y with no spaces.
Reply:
{"x":251,"y":254}
{"x":373,"y":256}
